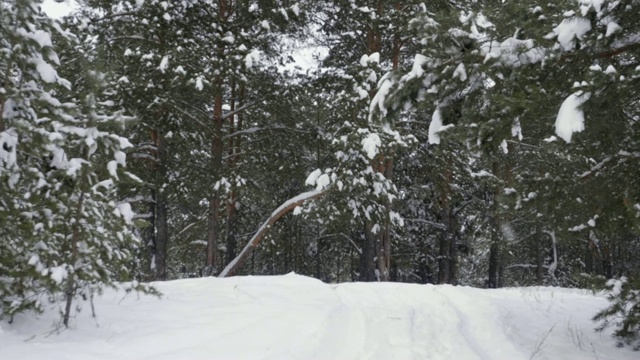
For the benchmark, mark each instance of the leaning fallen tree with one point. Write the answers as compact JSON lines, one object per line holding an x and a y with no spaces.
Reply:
{"x":287,"y":206}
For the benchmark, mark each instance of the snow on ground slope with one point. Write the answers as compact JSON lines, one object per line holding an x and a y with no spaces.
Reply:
{"x":295,"y":317}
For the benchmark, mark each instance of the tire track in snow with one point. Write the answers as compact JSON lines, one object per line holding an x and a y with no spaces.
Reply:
{"x":343,"y":325}
{"x":357,"y":323}
{"x":420,"y":326}
{"x":476,"y":351}
{"x":482,"y":333}
{"x":399,"y":327}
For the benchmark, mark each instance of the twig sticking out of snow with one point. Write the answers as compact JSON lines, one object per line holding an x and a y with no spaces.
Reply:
{"x":540,"y":344}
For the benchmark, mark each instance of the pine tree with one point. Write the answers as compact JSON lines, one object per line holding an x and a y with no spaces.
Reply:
{"x":155,"y":78}
{"x":67,"y":234}
{"x":363,"y":47}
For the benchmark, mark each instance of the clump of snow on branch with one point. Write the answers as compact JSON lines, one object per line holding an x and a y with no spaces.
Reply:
{"x":313,"y":177}
{"x":320,"y":180}
{"x":8,"y":143}
{"x":436,"y":127}
{"x":370,"y":145}
{"x":616,"y":285}
{"x":460,"y":72}
{"x":164,"y":64}
{"x":416,"y":71}
{"x":512,"y":51}
{"x":59,"y":273}
{"x":570,"y":118}
{"x":252,"y":58}
{"x":296,"y":9}
{"x":125,"y":211}
{"x":379,"y":99}
{"x":516,"y":129}
{"x":374,"y":58}
{"x":569,"y":30}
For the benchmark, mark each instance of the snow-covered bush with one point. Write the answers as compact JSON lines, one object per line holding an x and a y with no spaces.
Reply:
{"x":624,"y":311}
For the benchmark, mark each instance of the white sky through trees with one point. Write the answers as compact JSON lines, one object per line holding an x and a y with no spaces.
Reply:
{"x":305,"y":55}
{"x":58,"y":9}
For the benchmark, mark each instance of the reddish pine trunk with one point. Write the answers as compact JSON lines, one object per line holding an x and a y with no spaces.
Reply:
{"x":231,"y":201}
{"x":216,"y":156}
{"x":213,"y":231}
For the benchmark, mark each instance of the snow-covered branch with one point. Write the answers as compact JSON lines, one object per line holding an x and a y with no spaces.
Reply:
{"x":239,"y":110}
{"x":358,"y":249}
{"x":136,"y":38}
{"x":262,"y":231}
{"x":256,"y":129}
{"x":431,"y":223}
{"x":138,"y":198}
{"x":601,"y":164}
{"x":145,"y":156}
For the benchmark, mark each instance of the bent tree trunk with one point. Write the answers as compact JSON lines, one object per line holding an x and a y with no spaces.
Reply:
{"x":287,"y":206}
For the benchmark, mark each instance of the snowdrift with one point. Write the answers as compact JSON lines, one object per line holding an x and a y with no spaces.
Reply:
{"x":295,"y":317}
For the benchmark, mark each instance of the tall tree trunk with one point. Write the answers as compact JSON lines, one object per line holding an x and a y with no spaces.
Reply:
{"x":539,"y":254}
{"x":387,"y":165}
{"x":367,"y":258}
{"x":445,"y":250}
{"x":214,"y":201}
{"x":161,"y":216}
{"x":162,"y":236}
{"x":318,"y":259}
{"x":607,"y":263}
{"x":453,"y":255}
{"x":505,"y":219}
{"x":318,"y":256}
{"x":448,"y":251}
{"x":339,"y":265}
{"x":588,"y":258}
{"x":213,"y":234}
{"x":231,"y":201}
{"x":157,"y":233}
{"x":382,"y":273}
{"x":232,"y":242}
{"x":231,"y":228}
{"x":386,"y":229}
{"x":494,"y":248}
{"x":287,"y":256}
{"x":150,"y":235}
{"x":375,"y":244}
{"x":71,"y":280}
{"x":352,"y":267}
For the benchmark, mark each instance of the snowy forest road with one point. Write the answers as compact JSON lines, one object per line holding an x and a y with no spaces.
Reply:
{"x":295,"y":317}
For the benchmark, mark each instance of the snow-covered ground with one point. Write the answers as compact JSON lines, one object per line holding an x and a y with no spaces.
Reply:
{"x":295,"y":317}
